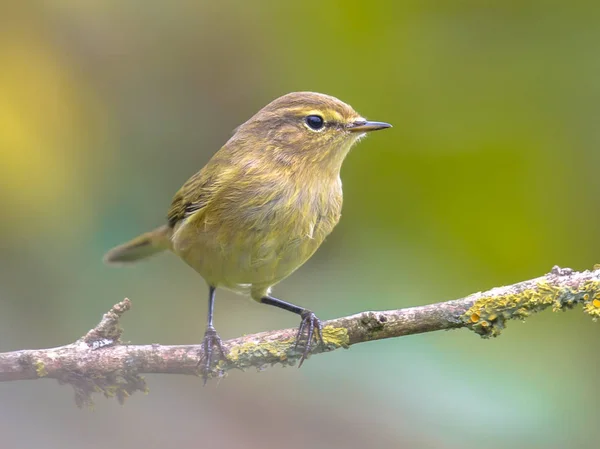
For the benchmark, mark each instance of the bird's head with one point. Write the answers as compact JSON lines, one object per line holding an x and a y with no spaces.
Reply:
{"x":304,"y":129}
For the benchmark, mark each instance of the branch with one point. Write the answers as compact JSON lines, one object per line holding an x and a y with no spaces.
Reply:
{"x":101,"y":362}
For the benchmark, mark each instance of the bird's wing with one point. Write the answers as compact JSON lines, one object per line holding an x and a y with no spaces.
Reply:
{"x":198,"y":191}
{"x":188,"y":199}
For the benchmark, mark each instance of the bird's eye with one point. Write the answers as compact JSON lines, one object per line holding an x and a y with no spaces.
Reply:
{"x":315,"y":122}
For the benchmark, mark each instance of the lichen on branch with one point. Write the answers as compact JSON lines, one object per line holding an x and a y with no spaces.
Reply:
{"x":100,"y":362}
{"x":561,"y":289}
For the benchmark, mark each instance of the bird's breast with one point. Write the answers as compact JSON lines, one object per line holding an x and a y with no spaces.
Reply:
{"x":260,"y":234}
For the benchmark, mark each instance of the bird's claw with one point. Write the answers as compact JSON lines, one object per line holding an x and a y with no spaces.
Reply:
{"x":211,"y":340}
{"x":314,"y":330}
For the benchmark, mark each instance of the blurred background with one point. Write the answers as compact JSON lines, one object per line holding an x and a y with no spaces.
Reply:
{"x":488,"y":177}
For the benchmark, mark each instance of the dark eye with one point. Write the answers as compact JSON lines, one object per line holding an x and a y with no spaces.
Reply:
{"x":315,"y":122}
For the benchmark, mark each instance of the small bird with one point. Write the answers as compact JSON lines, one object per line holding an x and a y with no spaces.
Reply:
{"x":261,"y":206}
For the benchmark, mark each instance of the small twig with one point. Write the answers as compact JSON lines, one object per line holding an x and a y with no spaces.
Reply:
{"x":108,"y":331}
{"x":100,"y":362}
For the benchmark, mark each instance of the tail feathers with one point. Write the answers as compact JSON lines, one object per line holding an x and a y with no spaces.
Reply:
{"x":141,"y":247}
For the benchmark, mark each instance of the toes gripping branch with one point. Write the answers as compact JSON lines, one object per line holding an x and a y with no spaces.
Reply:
{"x":312,"y":327}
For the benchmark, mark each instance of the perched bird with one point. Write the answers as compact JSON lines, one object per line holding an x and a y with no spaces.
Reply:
{"x":261,"y":206}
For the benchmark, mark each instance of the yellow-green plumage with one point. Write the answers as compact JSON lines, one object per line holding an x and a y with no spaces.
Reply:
{"x":265,"y":201}
{"x":257,"y":227}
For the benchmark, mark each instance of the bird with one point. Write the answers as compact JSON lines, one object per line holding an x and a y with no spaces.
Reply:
{"x":260,"y":208}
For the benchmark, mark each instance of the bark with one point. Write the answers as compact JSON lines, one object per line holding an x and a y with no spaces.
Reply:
{"x":101,"y":362}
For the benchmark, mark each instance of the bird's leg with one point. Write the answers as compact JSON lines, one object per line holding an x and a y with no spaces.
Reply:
{"x":211,"y":340}
{"x":310,"y":324}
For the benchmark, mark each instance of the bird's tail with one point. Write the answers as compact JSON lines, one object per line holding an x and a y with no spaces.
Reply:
{"x":141,"y":247}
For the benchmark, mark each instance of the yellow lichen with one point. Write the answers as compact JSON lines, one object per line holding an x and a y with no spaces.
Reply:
{"x":489,"y":313}
{"x":40,"y":369}
{"x":277,"y":349}
{"x":333,"y":337}
{"x":592,"y":310}
{"x":336,"y":337}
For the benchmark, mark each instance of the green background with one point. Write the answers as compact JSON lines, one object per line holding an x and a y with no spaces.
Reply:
{"x":488,"y":177}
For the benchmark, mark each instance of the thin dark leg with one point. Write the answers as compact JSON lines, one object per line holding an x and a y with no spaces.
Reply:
{"x":211,"y":305}
{"x":310,"y":323}
{"x":211,"y":338}
{"x":269,"y":300}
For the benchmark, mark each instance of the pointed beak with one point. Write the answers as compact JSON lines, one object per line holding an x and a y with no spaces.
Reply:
{"x":363,"y":126}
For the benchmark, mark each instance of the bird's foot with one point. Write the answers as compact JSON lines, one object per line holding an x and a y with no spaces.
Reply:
{"x":209,"y":359}
{"x":312,"y":327}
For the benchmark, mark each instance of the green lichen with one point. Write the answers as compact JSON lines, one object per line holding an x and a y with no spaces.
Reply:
{"x":119,"y":385}
{"x":278,"y":351}
{"x":40,"y":369}
{"x":335,"y":337}
{"x":371,"y":323}
{"x":489,"y":314}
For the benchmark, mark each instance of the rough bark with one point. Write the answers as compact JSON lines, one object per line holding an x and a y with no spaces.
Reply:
{"x":101,"y":362}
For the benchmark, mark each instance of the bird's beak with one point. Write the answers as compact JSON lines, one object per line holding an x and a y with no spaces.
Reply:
{"x":363,"y":126}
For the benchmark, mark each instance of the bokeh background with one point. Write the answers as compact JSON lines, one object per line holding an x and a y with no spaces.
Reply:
{"x":488,"y":177}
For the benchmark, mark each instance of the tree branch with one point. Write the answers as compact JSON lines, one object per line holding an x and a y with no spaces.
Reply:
{"x":101,"y":362}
